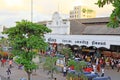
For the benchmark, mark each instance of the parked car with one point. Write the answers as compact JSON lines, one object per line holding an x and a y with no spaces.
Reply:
{"x":102,"y":78}
{"x":90,"y":76}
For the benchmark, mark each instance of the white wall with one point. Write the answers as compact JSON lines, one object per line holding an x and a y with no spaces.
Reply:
{"x":87,"y":40}
{"x":58,"y":26}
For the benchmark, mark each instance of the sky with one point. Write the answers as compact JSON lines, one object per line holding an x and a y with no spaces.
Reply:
{"x":16,"y":10}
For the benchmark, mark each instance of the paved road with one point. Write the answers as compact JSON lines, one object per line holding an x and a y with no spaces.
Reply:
{"x":42,"y":75}
{"x":38,"y":75}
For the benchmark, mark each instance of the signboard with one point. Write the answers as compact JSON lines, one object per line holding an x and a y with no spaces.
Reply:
{"x":86,"y":40}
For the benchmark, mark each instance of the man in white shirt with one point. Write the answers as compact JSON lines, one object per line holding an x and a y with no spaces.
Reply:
{"x":103,"y":71}
{"x":64,"y":71}
{"x":94,"y":68}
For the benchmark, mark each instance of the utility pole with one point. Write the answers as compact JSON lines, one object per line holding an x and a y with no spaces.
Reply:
{"x":31,"y":10}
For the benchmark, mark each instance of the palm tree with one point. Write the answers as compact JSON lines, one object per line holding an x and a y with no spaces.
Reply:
{"x":67,"y":52}
{"x":78,"y":67}
{"x":49,"y":65}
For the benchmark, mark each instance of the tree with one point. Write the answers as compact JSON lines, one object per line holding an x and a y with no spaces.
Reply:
{"x":4,"y":48}
{"x":115,"y":16}
{"x":67,"y":52}
{"x":78,"y":67}
{"x":24,"y":38}
{"x":50,"y":64}
{"x":4,"y":42}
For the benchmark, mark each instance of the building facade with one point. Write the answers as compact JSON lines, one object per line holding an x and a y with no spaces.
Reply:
{"x":97,"y":41}
{"x":80,"y":12}
{"x":88,"y":32}
{"x":57,"y":25}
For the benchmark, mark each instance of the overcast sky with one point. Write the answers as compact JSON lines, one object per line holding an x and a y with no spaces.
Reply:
{"x":16,"y":10}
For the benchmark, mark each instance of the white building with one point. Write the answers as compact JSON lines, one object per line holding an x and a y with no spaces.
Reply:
{"x":85,"y":40}
{"x":57,"y":25}
{"x":87,"y":32}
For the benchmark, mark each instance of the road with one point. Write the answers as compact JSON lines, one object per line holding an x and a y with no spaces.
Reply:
{"x":42,"y":75}
{"x":16,"y":74}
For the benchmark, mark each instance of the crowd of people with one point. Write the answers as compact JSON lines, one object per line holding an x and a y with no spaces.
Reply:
{"x":100,"y":64}
{"x":95,"y":65}
{"x":103,"y":62}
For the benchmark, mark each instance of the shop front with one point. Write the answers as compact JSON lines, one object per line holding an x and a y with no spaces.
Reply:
{"x":88,"y":43}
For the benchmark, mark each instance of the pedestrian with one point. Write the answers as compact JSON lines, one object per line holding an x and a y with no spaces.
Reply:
{"x":64,"y":71}
{"x":112,"y":64}
{"x":98,"y":67}
{"x":118,"y":67}
{"x":8,"y":73}
{"x":94,"y":68}
{"x":48,"y":72}
{"x":10,"y":63}
{"x":102,"y":75}
{"x":2,"y":62}
{"x":107,"y":62}
{"x":55,"y":78}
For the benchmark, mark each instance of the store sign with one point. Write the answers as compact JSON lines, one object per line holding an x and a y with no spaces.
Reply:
{"x":86,"y":40}
{"x":51,"y":40}
{"x":82,"y":42}
{"x":98,"y":43}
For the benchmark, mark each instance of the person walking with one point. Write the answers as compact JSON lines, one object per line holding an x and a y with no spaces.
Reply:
{"x":112,"y":64}
{"x":64,"y":71}
{"x":98,"y":67}
{"x":2,"y":62}
{"x":8,"y":73}
{"x":103,"y":71}
{"x":118,"y":67}
{"x":10,"y":63}
{"x":94,"y":68}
